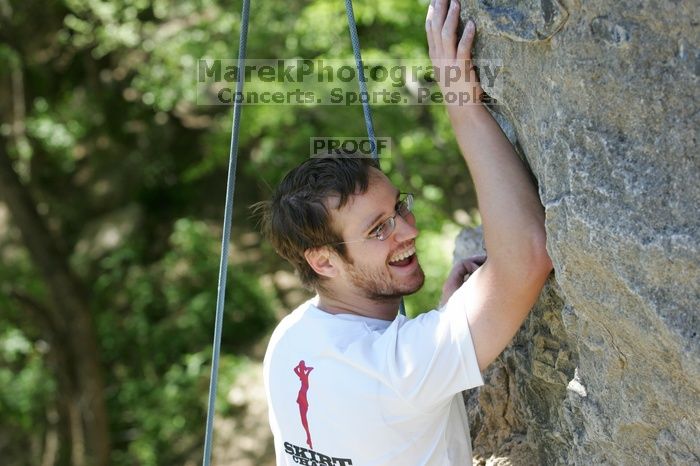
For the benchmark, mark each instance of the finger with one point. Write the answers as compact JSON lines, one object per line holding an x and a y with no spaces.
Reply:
{"x":449,"y":30}
{"x":436,"y":23}
{"x":429,"y":29}
{"x":479,"y":260}
{"x":440,"y":8}
{"x":464,"y":48}
{"x":429,"y":15}
{"x":472,"y":267}
{"x":458,"y":271}
{"x":472,"y":263}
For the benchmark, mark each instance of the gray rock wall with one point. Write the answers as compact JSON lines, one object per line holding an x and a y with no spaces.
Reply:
{"x":603,"y":100}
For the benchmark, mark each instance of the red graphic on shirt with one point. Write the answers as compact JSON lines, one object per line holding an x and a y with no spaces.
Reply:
{"x":302,"y":371}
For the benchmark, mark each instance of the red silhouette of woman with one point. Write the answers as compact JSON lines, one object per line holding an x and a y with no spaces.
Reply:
{"x":302,"y":371}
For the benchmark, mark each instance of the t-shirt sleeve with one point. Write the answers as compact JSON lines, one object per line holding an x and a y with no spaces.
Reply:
{"x":431,"y":358}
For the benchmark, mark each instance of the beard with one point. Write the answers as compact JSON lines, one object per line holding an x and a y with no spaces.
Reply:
{"x":379,"y":284}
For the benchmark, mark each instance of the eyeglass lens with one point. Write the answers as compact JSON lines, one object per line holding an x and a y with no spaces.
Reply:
{"x":403,"y":208}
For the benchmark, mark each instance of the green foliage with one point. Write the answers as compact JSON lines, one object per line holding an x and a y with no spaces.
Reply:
{"x":164,"y":330}
{"x":25,"y":391}
{"x":22,"y":371}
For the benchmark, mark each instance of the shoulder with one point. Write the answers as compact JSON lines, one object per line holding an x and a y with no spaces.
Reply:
{"x":289,"y":323}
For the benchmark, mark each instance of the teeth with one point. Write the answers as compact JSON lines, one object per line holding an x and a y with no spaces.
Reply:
{"x":407,"y":253}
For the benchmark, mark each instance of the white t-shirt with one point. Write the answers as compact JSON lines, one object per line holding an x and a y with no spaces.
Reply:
{"x":350,"y":390}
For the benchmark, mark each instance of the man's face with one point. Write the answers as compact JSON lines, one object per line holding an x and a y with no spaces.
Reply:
{"x":379,"y":270}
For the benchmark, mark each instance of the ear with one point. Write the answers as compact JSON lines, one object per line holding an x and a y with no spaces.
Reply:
{"x":321,"y":260}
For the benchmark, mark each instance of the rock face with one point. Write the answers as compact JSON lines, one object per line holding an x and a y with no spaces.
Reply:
{"x":603,"y":100}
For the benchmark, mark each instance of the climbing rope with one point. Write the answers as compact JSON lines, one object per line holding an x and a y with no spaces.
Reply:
{"x":364,"y":95}
{"x":228,"y":214}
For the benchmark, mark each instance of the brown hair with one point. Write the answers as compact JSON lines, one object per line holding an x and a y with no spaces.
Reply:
{"x":297,"y":217}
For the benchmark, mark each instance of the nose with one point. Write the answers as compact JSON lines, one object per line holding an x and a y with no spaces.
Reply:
{"x":405,"y":229}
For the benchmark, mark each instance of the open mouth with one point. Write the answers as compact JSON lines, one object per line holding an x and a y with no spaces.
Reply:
{"x":404,"y":259}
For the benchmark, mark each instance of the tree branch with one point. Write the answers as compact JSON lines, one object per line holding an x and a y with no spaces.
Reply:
{"x":43,"y":316}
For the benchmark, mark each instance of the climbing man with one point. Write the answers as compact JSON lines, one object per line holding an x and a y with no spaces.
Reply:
{"x":385,"y":389}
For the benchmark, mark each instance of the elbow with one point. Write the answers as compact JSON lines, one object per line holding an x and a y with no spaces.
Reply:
{"x":541,"y":262}
{"x":533,"y":265}
{"x":525,"y":261}
{"x":524,"y":275}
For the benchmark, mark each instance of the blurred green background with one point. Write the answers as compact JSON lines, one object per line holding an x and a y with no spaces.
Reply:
{"x":112,"y":185}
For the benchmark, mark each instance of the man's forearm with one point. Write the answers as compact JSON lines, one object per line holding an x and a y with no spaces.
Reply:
{"x":511,"y":212}
{"x":513,"y":222}
{"x":502,"y":291}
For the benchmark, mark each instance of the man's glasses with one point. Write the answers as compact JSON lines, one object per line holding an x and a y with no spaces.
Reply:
{"x":404,"y":207}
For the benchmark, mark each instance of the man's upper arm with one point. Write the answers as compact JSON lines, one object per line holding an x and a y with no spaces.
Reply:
{"x":496,"y":304}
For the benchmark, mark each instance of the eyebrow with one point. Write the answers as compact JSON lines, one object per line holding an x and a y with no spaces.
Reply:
{"x":369,"y":225}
